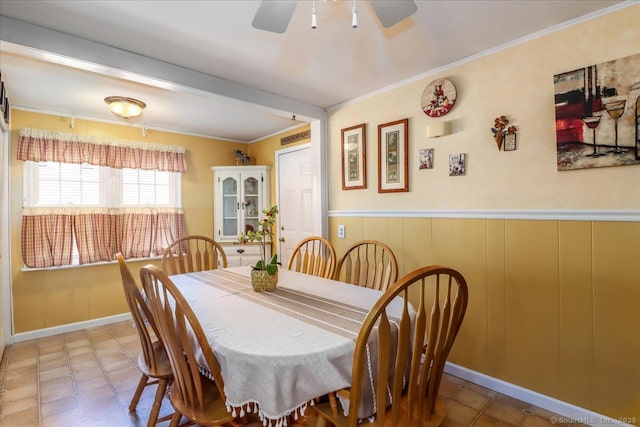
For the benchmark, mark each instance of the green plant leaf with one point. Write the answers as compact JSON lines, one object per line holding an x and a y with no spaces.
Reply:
{"x":272,"y":269}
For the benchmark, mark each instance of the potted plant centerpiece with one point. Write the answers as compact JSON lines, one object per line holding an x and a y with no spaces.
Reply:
{"x":264,"y":275}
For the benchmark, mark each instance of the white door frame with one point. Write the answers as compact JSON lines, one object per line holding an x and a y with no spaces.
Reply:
{"x":320,"y":171}
{"x":5,"y":249}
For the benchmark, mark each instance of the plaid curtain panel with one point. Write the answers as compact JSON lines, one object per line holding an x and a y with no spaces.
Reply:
{"x":47,"y":240}
{"x":47,"y":237}
{"x":95,"y":237}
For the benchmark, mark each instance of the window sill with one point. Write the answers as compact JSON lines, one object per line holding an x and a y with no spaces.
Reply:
{"x":94,"y":264}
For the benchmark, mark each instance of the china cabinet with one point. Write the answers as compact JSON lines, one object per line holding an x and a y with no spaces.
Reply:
{"x":240,"y":193}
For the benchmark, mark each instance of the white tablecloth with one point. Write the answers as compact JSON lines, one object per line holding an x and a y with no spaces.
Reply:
{"x":278,"y":349}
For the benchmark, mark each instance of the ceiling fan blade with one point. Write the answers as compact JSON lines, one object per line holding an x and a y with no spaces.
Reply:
{"x":274,"y":15}
{"x":390,"y":12}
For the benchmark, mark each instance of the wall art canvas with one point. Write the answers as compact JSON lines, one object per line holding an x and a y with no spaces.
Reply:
{"x":457,"y":164}
{"x":598,"y":115}
{"x":426,"y":158}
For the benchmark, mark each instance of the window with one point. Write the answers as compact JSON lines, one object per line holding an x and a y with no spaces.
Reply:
{"x":100,"y":211}
{"x":54,"y":184}
{"x":89,"y":197}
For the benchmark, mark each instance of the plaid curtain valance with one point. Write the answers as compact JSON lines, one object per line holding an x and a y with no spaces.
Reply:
{"x":41,"y":145}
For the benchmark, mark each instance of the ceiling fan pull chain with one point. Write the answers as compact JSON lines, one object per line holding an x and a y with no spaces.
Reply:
{"x":354,"y":19}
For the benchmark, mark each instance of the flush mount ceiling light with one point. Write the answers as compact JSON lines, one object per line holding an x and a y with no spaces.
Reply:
{"x":126,"y":108}
{"x":274,"y":15}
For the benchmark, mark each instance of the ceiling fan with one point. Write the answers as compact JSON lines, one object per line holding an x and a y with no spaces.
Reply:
{"x":274,"y":15}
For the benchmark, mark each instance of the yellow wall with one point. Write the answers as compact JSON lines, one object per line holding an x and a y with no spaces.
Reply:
{"x":47,"y":298}
{"x":518,"y":83}
{"x":553,"y":304}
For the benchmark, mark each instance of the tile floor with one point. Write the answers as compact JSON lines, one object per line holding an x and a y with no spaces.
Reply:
{"x":87,"y":378}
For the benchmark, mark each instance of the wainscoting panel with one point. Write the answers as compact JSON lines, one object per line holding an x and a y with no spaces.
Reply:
{"x":576,"y":312}
{"x":554,"y":303}
{"x":616,"y":318}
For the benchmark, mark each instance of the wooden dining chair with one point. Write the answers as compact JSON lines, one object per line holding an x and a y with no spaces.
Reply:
{"x":368,"y":263}
{"x":152,"y":360}
{"x":405,"y":365}
{"x":315,"y":256}
{"x":193,"y":253}
{"x":195,"y":396}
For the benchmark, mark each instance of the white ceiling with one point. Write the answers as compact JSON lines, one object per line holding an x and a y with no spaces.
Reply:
{"x":203,"y":69}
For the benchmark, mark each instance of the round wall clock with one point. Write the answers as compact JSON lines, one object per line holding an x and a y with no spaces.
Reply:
{"x":438,"y":98}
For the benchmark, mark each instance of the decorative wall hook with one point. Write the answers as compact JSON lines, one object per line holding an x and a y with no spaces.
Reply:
{"x":503,"y":133}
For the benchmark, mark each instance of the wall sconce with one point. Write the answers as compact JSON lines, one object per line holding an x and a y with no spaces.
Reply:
{"x":125,"y":108}
{"x":437,"y":129}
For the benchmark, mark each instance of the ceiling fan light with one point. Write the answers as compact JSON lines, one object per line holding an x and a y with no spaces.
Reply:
{"x":124,"y":107}
{"x":354,"y":18}
{"x":314,"y":19}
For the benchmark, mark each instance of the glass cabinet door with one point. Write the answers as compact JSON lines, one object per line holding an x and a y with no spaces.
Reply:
{"x":230,"y":203}
{"x":239,"y":199}
{"x":251,"y":203}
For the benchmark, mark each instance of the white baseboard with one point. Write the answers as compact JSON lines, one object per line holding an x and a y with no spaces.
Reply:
{"x":41,"y":333}
{"x":570,"y":413}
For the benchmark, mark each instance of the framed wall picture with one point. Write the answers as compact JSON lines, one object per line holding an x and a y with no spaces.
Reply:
{"x":393,"y":157}
{"x":354,"y":167}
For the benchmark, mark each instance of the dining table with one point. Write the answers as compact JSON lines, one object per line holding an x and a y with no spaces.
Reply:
{"x":279,"y":350}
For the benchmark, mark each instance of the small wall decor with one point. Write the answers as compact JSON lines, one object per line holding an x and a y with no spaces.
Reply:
{"x":354,"y":167}
{"x":438,"y":98}
{"x":7,"y":111}
{"x":597,"y":115}
{"x":393,"y":157}
{"x":2,"y":96}
{"x":305,"y":134}
{"x":503,"y":133}
{"x":457,"y":164}
{"x":5,"y":107}
{"x":426,"y":158}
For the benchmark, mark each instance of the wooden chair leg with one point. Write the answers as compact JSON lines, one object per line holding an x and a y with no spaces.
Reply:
{"x":175,"y":419}
{"x":157,"y":402}
{"x":136,"y":396}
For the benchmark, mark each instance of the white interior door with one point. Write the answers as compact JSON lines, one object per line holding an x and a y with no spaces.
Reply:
{"x":298,"y":217}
